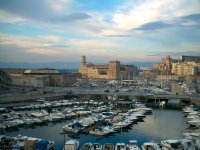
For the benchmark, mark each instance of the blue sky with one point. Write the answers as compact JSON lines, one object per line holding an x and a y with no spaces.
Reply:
{"x":127,"y":30}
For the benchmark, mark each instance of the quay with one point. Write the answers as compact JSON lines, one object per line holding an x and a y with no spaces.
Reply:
{"x":17,"y":99}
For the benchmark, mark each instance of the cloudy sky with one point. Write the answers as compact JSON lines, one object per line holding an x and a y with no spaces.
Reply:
{"x":127,"y":30}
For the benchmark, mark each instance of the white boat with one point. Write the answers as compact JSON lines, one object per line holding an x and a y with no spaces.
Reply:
{"x":120,"y":146}
{"x":102,"y":131}
{"x":72,"y":128}
{"x":195,"y":122}
{"x":150,"y":146}
{"x":86,"y":146}
{"x":191,"y":134}
{"x":133,"y":145}
{"x":188,"y":144}
{"x":96,"y":146}
{"x":71,"y":145}
{"x":20,"y":142}
{"x":171,"y":144}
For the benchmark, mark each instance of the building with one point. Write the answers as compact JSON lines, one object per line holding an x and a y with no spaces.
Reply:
{"x":56,"y":78}
{"x":184,"y":63}
{"x":190,"y":59}
{"x":40,"y":77}
{"x":30,"y":81}
{"x":165,"y":66}
{"x":186,"y":69}
{"x":111,"y":71}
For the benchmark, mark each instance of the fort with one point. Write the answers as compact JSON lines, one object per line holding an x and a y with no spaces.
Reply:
{"x":111,"y":71}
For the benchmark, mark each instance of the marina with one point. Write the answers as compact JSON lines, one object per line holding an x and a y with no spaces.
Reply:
{"x":101,"y":125}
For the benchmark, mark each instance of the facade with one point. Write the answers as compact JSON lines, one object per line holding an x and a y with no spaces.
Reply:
{"x":186,"y":69}
{"x":56,"y":78}
{"x":40,"y":77}
{"x":30,"y":81}
{"x":165,"y":66}
{"x":111,"y":71}
{"x":187,"y":65}
{"x":190,"y":59}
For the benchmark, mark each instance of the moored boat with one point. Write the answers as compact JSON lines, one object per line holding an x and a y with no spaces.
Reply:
{"x":120,"y":146}
{"x":133,"y":145}
{"x":108,"y":146}
{"x":96,"y":146}
{"x":71,"y":145}
{"x":86,"y":146}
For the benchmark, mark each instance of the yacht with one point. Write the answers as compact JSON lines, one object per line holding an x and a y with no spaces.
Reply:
{"x":171,"y":144}
{"x":96,"y":146}
{"x":188,"y":144}
{"x":133,"y":145}
{"x":86,"y":146}
{"x":71,"y":145}
{"x":150,"y":146}
{"x":120,"y":146}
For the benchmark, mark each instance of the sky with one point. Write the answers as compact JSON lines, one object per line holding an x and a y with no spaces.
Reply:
{"x":125,"y":30}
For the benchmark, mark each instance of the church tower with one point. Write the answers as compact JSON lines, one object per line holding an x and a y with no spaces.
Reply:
{"x":83,"y":62}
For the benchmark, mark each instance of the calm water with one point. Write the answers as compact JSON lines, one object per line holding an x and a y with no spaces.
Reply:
{"x":162,"y":124}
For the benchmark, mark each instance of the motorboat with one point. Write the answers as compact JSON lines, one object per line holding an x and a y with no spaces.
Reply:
{"x":19,"y":144}
{"x":108,"y":146}
{"x":96,"y":146}
{"x":133,"y":145}
{"x":86,"y":146}
{"x":71,"y":145}
{"x":171,"y":144}
{"x":150,"y":146}
{"x":188,"y":144}
{"x":191,"y":134}
{"x":120,"y":146}
{"x":195,"y":122}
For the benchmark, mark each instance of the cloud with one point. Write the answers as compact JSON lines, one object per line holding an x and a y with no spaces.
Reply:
{"x":25,"y":42}
{"x":95,"y":44}
{"x":153,"y":26}
{"x":43,"y":51}
{"x":133,"y":15}
{"x":59,"y":5}
{"x":192,"y":17}
{"x":46,"y":11}
{"x":74,"y":17}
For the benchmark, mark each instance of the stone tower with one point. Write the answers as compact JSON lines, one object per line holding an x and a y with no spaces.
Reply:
{"x":83,"y":62}
{"x":114,"y":70}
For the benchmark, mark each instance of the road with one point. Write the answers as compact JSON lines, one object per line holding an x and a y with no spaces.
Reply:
{"x":56,"y":92}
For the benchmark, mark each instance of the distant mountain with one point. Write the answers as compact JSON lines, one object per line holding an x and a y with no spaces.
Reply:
{"x":62,"y":65}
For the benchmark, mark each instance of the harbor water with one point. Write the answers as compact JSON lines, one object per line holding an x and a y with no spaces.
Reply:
{"x":161,"y":125}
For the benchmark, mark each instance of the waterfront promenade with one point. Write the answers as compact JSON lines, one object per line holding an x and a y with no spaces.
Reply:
{"x":60,"y":92}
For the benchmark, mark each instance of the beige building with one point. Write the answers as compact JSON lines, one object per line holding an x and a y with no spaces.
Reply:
{"x":165,"y":66}
{"x":186,"y":69}
{"x":30,"y":81}
{"x":111,"y":71}
{"x":40,"y":77}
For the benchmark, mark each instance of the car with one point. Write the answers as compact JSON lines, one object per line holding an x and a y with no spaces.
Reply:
{"x":116,"y":91}
{"x":106,"y":91}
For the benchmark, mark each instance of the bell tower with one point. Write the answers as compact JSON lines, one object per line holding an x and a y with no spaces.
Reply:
{"x":83,"y":62}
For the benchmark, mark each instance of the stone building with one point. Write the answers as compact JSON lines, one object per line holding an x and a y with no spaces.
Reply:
{"x":186,"y":69}
{"x":56,"y":78}
{"x":30,"y":81}
{"x":40,"y":77}
{"x":190,"y":59}
{"x":111,"y":71}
